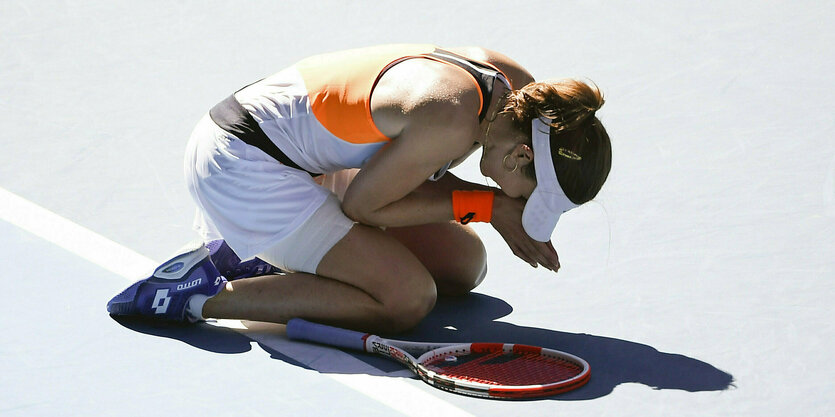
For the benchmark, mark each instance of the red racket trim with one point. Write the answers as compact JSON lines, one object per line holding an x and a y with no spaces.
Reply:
{"x":486,"y":347}
{"x":523,"y":349}
{"x":543,"y":391}
{"x":365,"y":342}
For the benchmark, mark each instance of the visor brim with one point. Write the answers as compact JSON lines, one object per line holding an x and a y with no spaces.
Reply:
{"x":548,"y":201}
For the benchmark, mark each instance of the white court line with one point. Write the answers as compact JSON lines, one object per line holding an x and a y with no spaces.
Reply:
{"x":72,"y":237}
{"x":395,"y":393}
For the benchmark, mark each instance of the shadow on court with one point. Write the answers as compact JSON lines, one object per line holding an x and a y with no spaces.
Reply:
{"x":472,"y":319}
{"x":202,"y":336}
{"x":613,"y":361}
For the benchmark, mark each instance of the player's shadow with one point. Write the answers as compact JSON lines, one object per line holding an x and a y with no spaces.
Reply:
{"x":202,"y":336}
{"x":473,"y":319}
{"x":613,"y":361}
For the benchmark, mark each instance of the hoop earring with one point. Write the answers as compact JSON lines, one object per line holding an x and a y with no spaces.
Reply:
{"x":504,"y":164}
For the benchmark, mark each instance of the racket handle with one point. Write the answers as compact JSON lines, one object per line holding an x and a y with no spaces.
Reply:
{"x":314,"y":332}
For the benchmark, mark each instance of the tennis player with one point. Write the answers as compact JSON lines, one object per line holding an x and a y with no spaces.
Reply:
{"x":273,"y":170}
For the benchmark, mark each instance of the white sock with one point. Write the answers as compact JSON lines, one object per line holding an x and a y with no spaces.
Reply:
{"x":194,"y":307}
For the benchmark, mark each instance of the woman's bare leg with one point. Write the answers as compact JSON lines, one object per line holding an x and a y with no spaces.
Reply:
{"x":452,"y":252}
{"x":367,"y":281}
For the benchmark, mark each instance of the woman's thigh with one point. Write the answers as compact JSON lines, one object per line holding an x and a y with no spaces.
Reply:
{"x":453,"y":253}
{"x":330,"y":245}
{"x":377,"y":263}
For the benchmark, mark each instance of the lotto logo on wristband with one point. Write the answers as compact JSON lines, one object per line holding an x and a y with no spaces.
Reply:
{"x":468,"y":218}
{"x":472,"y":206}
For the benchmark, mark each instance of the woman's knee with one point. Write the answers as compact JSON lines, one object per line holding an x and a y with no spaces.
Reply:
{"x":408,"y":302}
{"x":458,"y":281}
{"x":453,"y":253}
{"x":377,"y":264}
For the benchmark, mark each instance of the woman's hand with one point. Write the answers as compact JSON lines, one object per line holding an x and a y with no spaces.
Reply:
{"x":507,"y":220}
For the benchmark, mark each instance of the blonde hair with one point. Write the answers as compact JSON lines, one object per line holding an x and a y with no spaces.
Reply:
{"x":580,"y":146}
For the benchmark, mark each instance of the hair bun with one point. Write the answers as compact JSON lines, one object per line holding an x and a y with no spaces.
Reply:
{"x":570,"y":103}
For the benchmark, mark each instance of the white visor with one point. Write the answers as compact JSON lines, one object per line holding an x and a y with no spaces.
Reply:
{"x":547,"y":201}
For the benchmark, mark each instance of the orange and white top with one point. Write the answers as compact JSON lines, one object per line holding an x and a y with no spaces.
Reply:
{"x":318,"y":111}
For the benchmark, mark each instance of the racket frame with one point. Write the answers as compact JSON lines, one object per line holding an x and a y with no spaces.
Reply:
{"x":414,"y":355}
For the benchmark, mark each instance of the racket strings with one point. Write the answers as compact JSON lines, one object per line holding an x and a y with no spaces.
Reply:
{"x":499,"y":368}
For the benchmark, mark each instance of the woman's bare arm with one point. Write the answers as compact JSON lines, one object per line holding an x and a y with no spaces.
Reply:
{"x":383,"y":193}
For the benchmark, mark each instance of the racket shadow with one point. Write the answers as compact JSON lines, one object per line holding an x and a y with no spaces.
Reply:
{"x":613,"y":361}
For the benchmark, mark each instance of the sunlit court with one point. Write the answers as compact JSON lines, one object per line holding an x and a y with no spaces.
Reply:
{"x":697,"y":282}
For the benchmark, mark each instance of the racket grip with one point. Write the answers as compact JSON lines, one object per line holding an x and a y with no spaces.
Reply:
{"x":300,"y":329}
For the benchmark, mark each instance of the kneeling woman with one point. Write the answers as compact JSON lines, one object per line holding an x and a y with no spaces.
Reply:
{"x":265,"y":167}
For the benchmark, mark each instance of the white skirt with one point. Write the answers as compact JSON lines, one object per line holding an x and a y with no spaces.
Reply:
{"x":252,"y":201}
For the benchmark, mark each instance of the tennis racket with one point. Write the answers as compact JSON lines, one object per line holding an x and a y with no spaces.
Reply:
{"x":487,"y":370}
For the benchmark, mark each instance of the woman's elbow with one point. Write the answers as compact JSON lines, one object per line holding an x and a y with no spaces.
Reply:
{"x":357,"y":211}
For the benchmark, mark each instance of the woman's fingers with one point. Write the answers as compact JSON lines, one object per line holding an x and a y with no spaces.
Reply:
{"x":523,"y":255}
{"x":544,"y":254}
{"x":507,"y":220}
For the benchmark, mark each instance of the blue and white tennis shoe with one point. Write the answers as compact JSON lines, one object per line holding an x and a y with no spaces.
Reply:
{"x":166,"y":293}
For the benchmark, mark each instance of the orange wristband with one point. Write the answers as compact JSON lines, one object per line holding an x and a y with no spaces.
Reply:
{"x":472,"y":206}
